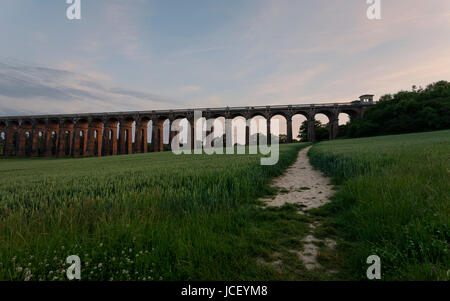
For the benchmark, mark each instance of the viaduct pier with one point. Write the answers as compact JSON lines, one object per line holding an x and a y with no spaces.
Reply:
{"x":105,"y":134}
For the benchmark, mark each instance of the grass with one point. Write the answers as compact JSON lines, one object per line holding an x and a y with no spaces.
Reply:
{"x":145,"y":217}
{"x":164,"y":217}
{"x":394,"y":201}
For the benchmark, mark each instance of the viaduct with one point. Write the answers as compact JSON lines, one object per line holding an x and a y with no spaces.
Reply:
{"x":104,"y":134}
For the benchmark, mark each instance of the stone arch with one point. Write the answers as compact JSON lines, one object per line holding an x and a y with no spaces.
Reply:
{"x":280,"y":129}
{"x":125,"y":135}
{"x":239,"y":130}
{"x":12,"y":138}
{"x":205,"y":130}
{"x":66,"y":137}
{"x":183,"y":134}
{"x":54,"y":143}
{"x":2,"y":137}
{"x":27,"y":127}
{"x":352,"y":113}
{"x":237,"y":114}
{"x":258,"y":128}
{"x":15,"y":143}
{"x":25,"y":147}
{"x":281,"y":113}
{"x":38,"y":139}
{"x":333,"y":121}
{"x":299,"y":124}
{"x":26,"y":123}
{"x":81,"y":137}
{"x":23,"y":143}
{"x":149,"y":135}
{"x":65,"y":148}
{"x":52,"y":137}
{"x":217,"y":115}
{"x":218,"y":129}
{"x":328,"y":113}
{"x":40,"y":143}
{"x":253,"y":114}
{"x":110,"y":136}
{"x":201,"y":130}
{"x":304,"y":113}
{"x":157,"y":139}
{"x":344,"y":118}
{"x":13,"y":124}
{"x":96,"y":128}
{"x":133,"y":136}
{"x":324,"y":131}
{"x":141,"y":134}
{"x":213,"y":128}
{"x":112,"y":122}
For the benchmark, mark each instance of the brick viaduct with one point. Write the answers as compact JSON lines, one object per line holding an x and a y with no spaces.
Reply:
{"x":104,"y":134}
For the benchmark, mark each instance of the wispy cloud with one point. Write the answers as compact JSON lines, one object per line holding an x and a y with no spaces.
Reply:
{"x":31,"y":88}
{"x":138,"y":54}
{"x":289,"y":85}
{"x":117,"y":31}
{"x":189,"y":89}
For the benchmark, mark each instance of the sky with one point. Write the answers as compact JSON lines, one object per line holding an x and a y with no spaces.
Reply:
{"x":148,"y":55}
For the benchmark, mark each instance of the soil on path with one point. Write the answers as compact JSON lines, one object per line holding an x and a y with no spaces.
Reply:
{"x":303,"y":185}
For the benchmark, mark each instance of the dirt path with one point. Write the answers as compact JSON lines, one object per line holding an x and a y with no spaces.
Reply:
{"x":301,"y":184}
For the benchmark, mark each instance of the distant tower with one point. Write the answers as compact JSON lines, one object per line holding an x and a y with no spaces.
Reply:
{"x":367,"y":98}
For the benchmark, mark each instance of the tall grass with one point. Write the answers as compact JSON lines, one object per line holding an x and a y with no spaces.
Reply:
{"x":394,"y":202}
{"x":141,"y":217}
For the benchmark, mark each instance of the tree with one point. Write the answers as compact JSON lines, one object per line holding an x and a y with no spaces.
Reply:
{"x":321,"y":130}
{"x":405,"y":112}
{"x":282,"y":138}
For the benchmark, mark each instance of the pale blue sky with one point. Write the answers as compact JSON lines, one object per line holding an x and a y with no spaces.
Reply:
{"x":145,"y":55}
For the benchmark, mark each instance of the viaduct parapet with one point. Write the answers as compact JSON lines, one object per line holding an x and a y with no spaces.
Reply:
{"x":104,"y":134}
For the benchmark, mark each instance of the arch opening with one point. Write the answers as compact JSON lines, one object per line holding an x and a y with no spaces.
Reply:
{"x":95,"y":138}
{"x":40,"y":143}
{"x":238,"y":131}
{"x":2,"y":142}
{"x":15,"y":142}
{"x":96,"y":148}
{"x":343,"y":120}
{"x":82,"y":143}
{"x":149,"y":136}
{"x":322,"y":127}
{"x":219,"y":132}
{"x":127,"y":140}
{"x":258,"y":129}
{"x":67,"y":136}
{"x":28,"y":143}
{"x":53,"y":143}
{"x":133,"y":137}
{"x":110,"y":142}
{"x":160,"y":134}
{"x":182,"y":135}
{"x":278,"y":128}
{"x":297,"y":130}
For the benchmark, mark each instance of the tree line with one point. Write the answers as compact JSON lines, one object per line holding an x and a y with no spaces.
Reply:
{"x":418,"y":110}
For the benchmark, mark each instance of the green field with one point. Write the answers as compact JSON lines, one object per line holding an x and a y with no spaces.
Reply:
{"x":144,"y":217}
{"x":164,"y":217}
{"x":394,"y":202}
